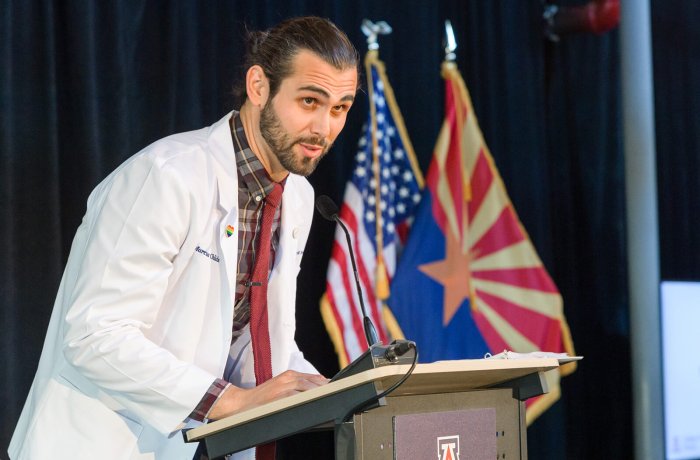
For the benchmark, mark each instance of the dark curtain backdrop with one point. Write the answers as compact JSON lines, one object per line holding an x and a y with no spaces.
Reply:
{"x":85,"y":84}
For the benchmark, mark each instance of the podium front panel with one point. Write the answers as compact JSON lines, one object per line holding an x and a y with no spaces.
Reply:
{"x":465,"y":434}
{"x":376,"y":439}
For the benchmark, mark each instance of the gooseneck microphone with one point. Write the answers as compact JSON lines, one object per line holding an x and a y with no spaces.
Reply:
{"x":328,"y":209}
{"x":377,"y":354}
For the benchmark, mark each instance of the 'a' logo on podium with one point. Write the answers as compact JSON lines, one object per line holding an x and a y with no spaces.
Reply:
{"x":448,"y":447}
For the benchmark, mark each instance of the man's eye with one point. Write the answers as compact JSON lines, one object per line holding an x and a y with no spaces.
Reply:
{"x":308,"y":101}
{"x":340,"y":108}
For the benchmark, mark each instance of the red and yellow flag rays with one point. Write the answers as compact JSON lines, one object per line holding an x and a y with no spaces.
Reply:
{"x":514,"y":302}
{"x":450,"y":212}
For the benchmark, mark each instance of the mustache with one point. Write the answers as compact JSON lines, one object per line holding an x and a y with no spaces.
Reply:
{"x":312,"y":140}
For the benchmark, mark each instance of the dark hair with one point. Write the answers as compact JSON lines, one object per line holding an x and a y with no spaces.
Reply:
{"x":275,"y":49}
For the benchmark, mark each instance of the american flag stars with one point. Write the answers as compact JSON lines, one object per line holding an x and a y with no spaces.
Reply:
{"x":399,"y":192}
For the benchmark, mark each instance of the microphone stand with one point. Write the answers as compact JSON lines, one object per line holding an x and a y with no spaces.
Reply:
{"x":377,"y":354}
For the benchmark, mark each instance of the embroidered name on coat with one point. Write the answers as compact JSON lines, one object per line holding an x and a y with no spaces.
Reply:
{"x":208,"y":254}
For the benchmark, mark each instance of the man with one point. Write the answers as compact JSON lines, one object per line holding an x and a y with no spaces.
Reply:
{"x":177,"y":303}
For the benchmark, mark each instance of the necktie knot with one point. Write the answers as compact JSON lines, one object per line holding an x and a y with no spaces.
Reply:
{"x":274,"y":198}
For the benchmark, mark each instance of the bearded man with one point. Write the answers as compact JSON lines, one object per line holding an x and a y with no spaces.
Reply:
{"x":177,"y":303}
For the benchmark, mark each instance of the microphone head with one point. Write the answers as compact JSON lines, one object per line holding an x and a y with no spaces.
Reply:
{"x":327,"y":208}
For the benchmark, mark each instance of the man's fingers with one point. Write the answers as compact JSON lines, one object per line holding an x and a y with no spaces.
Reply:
{"x":311,"y":382}
{"x":316,"y":379}
{"x":292,"y":382}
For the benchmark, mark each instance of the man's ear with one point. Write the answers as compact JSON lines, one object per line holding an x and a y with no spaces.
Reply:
{"x":257,"y":86}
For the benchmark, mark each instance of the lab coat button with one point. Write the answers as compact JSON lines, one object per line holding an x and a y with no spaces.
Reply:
{"x":295,"y":232}
{"x":258,"y":198}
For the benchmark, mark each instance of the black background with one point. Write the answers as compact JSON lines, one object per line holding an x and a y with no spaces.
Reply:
{"x":84,"y":85}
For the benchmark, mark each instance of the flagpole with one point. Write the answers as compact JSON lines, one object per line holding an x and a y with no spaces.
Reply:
{"x":449,"y":72}
{"x":642,"y":227}
{"x":372,"y":59}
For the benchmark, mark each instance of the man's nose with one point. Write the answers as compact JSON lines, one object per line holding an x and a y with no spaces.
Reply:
{"x":321,"y":124}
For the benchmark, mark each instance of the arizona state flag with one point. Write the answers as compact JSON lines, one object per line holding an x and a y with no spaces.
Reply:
{"x":470,"y":281}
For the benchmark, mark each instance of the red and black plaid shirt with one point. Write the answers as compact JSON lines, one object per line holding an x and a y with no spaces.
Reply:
{"x":253,"y":186}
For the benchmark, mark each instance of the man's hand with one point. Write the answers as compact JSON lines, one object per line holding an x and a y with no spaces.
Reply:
{"x":288,"y":383}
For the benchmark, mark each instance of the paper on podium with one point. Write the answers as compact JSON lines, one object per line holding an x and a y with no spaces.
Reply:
{"x":563,"y":358}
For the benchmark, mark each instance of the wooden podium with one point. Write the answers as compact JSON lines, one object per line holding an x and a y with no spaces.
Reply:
{"x":476,"y":406}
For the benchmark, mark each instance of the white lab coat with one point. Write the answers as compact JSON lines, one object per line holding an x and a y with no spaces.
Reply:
{"x":142,"y":322}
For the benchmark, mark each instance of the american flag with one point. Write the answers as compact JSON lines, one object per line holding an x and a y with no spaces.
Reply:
{"x":379,"y":200}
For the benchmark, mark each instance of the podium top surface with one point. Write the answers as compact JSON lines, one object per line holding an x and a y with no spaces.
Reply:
{"x":432,"y":378}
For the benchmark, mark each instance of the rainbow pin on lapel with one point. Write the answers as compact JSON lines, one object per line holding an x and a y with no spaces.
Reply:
{"x":229,"y":230}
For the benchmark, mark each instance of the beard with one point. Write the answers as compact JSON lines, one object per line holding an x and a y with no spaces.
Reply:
{"x":281,"y":143}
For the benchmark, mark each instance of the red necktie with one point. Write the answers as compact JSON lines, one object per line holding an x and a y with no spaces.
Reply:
{"x":259,"y":331}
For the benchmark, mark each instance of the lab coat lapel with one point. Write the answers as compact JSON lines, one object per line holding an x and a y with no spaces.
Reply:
{"x":221,"y":146}
{"x":290,"y":225}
